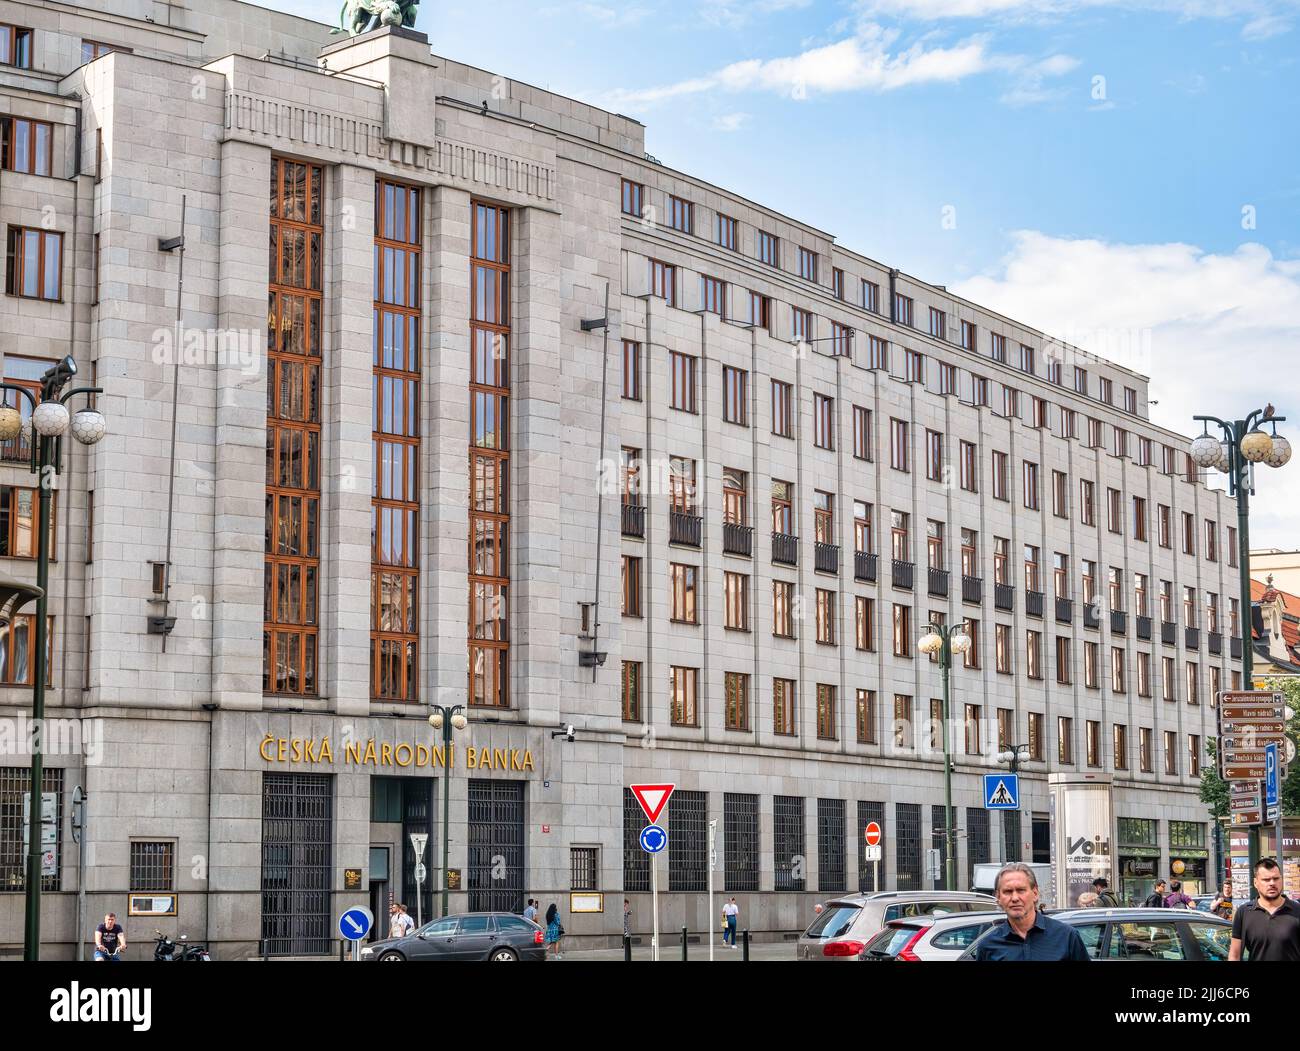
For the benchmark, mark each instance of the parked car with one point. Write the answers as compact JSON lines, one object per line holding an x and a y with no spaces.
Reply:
{"x":845,"y":925}
{"x":927,"y":938}
{"x":1146,"y":934}
{"x":498,"y":936}
{"x":986,"y":875}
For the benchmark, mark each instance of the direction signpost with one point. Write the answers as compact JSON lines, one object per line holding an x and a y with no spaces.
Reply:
{"x":1252,"y":734}
{"x":653,"y":800}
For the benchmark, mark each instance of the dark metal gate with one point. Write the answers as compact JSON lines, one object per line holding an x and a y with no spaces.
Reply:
{"x":417,"y":816}
{"x":297,"y":825}
{"x":495,"y":878}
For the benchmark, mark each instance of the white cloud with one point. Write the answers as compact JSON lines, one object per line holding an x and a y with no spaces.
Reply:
{"x":730,"y":122}
{"x":861,"y":62}
{"x":1215,"y":332}
{"x":735,"y":13}
{"x":603,"y":15}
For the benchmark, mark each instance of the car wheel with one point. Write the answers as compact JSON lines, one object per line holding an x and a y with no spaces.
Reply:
{"x":392,"y":957}
{"x":503,"y":956}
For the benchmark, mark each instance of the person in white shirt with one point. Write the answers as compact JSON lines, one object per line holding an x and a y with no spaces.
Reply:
{"x":730,"y":915}
{"x":403,"y":925}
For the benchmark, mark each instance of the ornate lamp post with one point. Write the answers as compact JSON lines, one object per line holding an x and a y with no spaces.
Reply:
{"x":1241,"y":445}
{"x":945,"y":641}
{"x":49,"y":420}
{"x":448,"y":720}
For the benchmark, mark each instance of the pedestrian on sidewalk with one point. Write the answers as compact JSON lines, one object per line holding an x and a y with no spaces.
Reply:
{"x":1177,"y":899}
{"x":404,"y":924}
{"x":1268,"y":929}
{"x":1105,"y":897}
{"x":554,"y":929}
{"x":1156,"y":899}
{"x":1223,"y":903}
{"x":530,"y":910}
{"x":730,"y":916}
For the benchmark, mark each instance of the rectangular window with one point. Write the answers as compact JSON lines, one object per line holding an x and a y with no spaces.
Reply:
{"x":1144,"y":750}
{"x":681,"y":215}
{"x":35,"y":264}
{"x":1094,"y":433}
{"x":864,"y":537}
{"x":782,"y":609}
{"x":782,"y":414}
{"x":1189,"y":533}
{"x":877,"y":353}
{"x":871,"y":296}
{"x":1171,"y":753}
{"x":19,"y":515}
{"x":807,"y":264}
{"x":968,"y":335}
{"x":292,"y":555}
{"x":974,"y":715}
{"x":713,"y":296}
{"x":841,"y":340}
{"x":724,"y":231}
{"x":902,"y":721}
{"x":1144,"y":674}
{"x":903,"y":310}
{"x":735,"y":395}
{"x":825,"y":617}
{"x":826,"y":730}
{"x":1139,"y":518}
{"x":1114,"y":511}
{"x":783,"y":707}
{"x":861,"y":433}
{"x":631,"y":691}
{"x":801,"y":325}
{"x":1211,"y":541}
{"x":1232,"y":546}
{"x":736,"y":595}
{"x":631,"y":370}
{"x":1064,"y":740}
{"x":631,"y":586}
{"x":1000,"y":477}
{"x":865,"y":634}
{"x":1034,"y":654}
{"x":998,"y":347}
{"x":633,"y":197}
{"x":683,"y":368}
{"x":1064,"y":661}
{"x":15,"y":46}
{"x":1193,"y":755}
{"x":947,"y":379}
{"x":1026,"y":359}
{"x":683,"y":580}
{"x":1060,"y":494}
{"x":866,"y":717}
{"x":736,"y":692}
{"x":1031,"y":485}
{"x":769,"y":249}
{"x":1087,"y":502}
{"x":683,"y":683}
{"x":823,"y":421}
{"x":1118,"y":678}
{"x":979,"y":390}
{"x":969,"y":467}
{"x":1092,"y":740}
{"x":1036,"y":737}
{"x":760,"y":311}
{"x":788,"y":856}
{"x":837,"y":282}
{"x":1080,"y":380}
{"x":152,"y":866}
{"x":663,"y":281}
{"x":1193,"y":683}
{"x":1119,"y":744}
{"x":1168,"y":688}
{"x":914,"y":367}
{"x":1002,"y":648}
{"x":899,"y":446}
{"x":938,"y":323}
{"x":1130,"y":401}
{"x":902,"y":631}
{"x":741,"y":841}
{"x":26,"y":146}
{"x":933,"y":456}
{"x":1164,"y":527}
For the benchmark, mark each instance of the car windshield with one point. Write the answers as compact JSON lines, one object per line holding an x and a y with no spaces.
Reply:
{"x":834,"y":922}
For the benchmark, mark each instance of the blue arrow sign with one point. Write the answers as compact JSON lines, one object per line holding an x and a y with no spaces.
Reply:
{"x":1270,"y":774}
{"x":355,"y":924}
{"x":1001,"y":791}
{"x":653,"y":839}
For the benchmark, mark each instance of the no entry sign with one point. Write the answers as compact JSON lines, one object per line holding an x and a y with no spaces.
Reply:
{"x":873,"y":835}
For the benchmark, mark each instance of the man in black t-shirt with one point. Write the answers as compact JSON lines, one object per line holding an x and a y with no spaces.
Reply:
{"x":109,"y":938}
{"x":1269,"y":928}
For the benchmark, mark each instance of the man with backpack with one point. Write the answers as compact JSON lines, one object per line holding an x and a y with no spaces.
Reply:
{"x":1177,"y":899}
{"x":1105,"y":898}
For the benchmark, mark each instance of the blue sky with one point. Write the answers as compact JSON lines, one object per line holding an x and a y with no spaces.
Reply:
{"x":1122,"y":173}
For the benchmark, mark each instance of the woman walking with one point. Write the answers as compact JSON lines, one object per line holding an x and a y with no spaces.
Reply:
{"x":554,"y":929}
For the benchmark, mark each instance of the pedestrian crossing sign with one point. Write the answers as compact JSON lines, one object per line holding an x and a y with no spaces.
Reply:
{"x":1001,"y":791}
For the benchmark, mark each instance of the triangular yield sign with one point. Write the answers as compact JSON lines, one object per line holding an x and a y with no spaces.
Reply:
{"x":653,"y":799}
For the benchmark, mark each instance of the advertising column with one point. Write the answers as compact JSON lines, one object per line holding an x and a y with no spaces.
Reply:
{"x":1082,"y":821}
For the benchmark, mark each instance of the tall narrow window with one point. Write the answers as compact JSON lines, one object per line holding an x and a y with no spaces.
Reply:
{"x":395,"y":501}
{"x":293,"y":431}
{"x":489,"y":456}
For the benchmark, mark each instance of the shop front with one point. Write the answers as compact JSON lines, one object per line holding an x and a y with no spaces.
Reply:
{"x":1139,"y":858}
{"x":1189,"y":857}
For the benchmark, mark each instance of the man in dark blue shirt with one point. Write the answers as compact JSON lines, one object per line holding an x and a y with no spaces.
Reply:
{"x":1027,"y":934}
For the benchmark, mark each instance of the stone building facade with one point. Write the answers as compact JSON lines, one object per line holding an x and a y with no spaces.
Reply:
{"x":679,"y":533}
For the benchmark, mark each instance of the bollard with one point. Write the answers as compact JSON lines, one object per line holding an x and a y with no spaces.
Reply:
{"x":627,"y":948}
{"x":266,"y":950}
{"x":745,"y":937}
{"x":685,"y":931}
{"x":342,"y":951}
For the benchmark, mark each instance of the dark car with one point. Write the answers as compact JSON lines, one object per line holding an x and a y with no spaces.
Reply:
{"x":1166,"y":935}
{"x":499,"y":936}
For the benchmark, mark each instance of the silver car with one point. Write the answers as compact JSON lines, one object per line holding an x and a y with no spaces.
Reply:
{"x":845,"y":925}
{"x":930,"y":938}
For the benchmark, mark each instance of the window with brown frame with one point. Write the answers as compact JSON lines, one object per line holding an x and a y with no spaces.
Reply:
{"x":735,"y":588}
{"x":865,"y":609}
{"x":938,"y":323}
{"x":1139,"y":518}
{"x":681,"y":215}
{"x":26,"y":145}
{"x":903,"y":307}
{"x":663,"y":281}
{"x":837,"y":282}
{"x":684,"y":593}
{"x":631,"y":691}
{"x":877,"y":353}
{"x":866,"y":717}
{"x":35,"y":264}
{"x":633,"y":196}
{"x":823,"y":517}
{"x":1034,"y":654}
{"x":782,"y":507}
{"x":1087,"y":502}
{"x":969,"y":467}
{"x":19,"y":514}
{"x":683,"y":692}
{"x":395,"y":504}
{"x":900,"y":452}
{"x":1064,"y":661}
{"x":801,"y":325}
{"x":947,"y":378}
{"x":783,"y":701}
{"x":998,"y":347}
{"x":825,"y":617}
{"x":914,"y":367}
{"x":1036,"y":737}
{"x":1060,"y":494}
{"x":1064,"y":740}
{"x":823,"y":421}
{"x":1000,"y":476}
{"x":736,"y":695}
{"x":769,"y":249}
{"x":1171,"y":753}
{"x":933,"y":456}
{"x":16,"y":46}
{"x":1031,"y":485}
{"x":807,"y":264}
{"x":871,"y":296}
{"x":631,"y":370}
{"x":489,"y":655}
{"x":903,"y":736}
{"x":631,"y":586}
{"x":735,"y":395}
{"x":864,"y":536}
{"x":724,"y":231}
{"x":1119,"y":745}
{"x":294,"y":363}
{"x":841,"y":340}
{"x":1144,"y":749}
{"x":783,"y":609}
{"x":93,"y":49}
{"x":782,"y":414}
{"x":683,"y":368}
{"x":713,"y":296}
{"x":735,"y":497}
{"x":826,"y":728}
{"x":760,"y":311}
{"x":17,"y":642}
{"x":902,"y":631}
{"x":861,"y":433}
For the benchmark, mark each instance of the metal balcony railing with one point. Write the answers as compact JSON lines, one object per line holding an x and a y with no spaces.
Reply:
{"x":634,"y":520}
{"x":785,"y":549}
{"x":737,"y":539}
{"x":685,"y":529}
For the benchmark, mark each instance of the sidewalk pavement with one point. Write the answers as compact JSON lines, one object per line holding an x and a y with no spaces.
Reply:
{"x":671,"y":951}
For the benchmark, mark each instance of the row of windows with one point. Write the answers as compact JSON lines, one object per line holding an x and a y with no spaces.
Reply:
{"x":977,"y":737}
{"x":683,"y":397}
{"x":17,"y":42}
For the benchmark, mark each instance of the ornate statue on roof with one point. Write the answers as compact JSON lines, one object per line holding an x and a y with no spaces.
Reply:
{"x":361,"y":16}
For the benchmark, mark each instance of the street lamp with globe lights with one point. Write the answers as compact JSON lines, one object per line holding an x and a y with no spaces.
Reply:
{"x":944,"y":642}
{"x":448,"y":720}
{"x":1241,"y":445}
{"x":44,"y":426}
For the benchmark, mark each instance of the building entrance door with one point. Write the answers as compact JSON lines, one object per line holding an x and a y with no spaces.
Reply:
{"x":379,"y":894}
{"x":495,"y":876}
